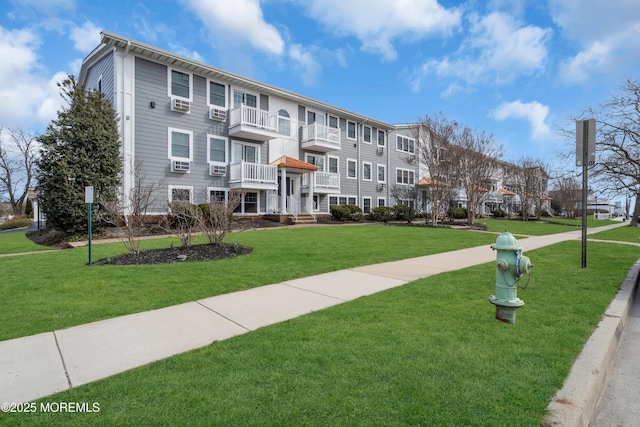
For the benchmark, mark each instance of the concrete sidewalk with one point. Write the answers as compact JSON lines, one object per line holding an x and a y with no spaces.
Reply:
{"x":39,"y":365}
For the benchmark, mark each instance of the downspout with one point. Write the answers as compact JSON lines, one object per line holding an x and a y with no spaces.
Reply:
{"x":128,"y":158}
{"x":359,"y":201}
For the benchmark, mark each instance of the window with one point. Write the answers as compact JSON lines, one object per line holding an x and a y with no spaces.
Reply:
{"x":240,"y":98}
{"x":382,"y":201}
{"x":405,"y":144}
{"x":250,"y":202}
{"x":366,"y":171}
{"x":180,"y":144}
{"x":316,"y":160}
{"x":351,"y":169}
{"x":180,"y":193}
{"x":333,"y":122}
{"x":245,"y":152}
{"x":217,"y":94}
{"x":382,"y":172}
{"x":405,"y":176}
{"x":351,"y":130}
{"x":366,"y":134}
{"x":333,"y":164}
{"x":217,"y":149}
{"x":381,"y":137}
{"x":284,"y":123}
{"x":180,"y":84}
{"x":366,"y":204}
{"x":217,"y":195}
{"x":341,"y":200}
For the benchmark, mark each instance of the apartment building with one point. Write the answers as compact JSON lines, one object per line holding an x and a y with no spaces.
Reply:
{"x":202,"y":132}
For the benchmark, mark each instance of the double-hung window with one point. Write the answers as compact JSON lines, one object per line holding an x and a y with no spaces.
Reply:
{"x":217,"y":95}
{"x":351,"y":169}
{"x":366,"y":134}
{"x":382,"y":172}
{"x":180,"y":144}
{"x":180,"y":84}
{"x":405,"y":144}
{"x":217,"y":149}
{"x":366,"y":171}
{"x":351,"y":130}
{"x":284,"y":123}
{"x":405,"y":176}
{"x":333,"y":164}
{"x":333,"y":122}
{"x":180,"y":193}
{"x":381,"y":138}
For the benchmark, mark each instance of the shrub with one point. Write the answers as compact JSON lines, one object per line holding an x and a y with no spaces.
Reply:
{"x":346,"y":213}
{"x":499,"y":213}
{"x":15,"y":223}
{"x":381,"y":214}
{"x":403,"y":213}
{"x":458,"y":213}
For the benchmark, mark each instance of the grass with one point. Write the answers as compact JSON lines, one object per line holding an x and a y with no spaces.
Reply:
{"x":51,"y":291}
{"x":427,"y":353}
{"x":539,"y":228}
{"x":17,"y":242}
{"x":622,"y":234}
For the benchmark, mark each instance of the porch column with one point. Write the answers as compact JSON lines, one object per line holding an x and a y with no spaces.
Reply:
{"x":312,"y":181}
{"x":283,"y":191}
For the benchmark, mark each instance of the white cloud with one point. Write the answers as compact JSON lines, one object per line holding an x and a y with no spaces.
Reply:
{"x":305,"y":61}
{"x":497,"y":47}
{"x":26,"y":93}
{"x":607,"y":35}
{"x":533,"y":112}
{"x":85,"y":38}
{"x":238,"y":20}
{"x":380,"y":23}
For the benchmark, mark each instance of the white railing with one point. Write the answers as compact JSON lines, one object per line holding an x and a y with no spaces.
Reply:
{"x":323,"y":180}
{"x":244,"y":115}
{"x":253,"y":172}
{"x":316,"y":132}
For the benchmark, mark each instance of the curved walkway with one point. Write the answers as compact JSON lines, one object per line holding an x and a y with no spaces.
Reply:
{"x":39,"y":365}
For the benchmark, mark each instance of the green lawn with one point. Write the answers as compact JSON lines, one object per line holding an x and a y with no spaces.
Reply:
{"x":623,"y":234}
{"x":428,"y":353}
{"x":17,"y":242}
{"x":56,"y":290}
{"x":539,"y":228}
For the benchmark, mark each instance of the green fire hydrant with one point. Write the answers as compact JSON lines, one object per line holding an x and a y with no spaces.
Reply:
{"x":511,"y":265}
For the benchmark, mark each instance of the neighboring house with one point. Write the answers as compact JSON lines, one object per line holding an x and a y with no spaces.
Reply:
{"x":203,"y":131}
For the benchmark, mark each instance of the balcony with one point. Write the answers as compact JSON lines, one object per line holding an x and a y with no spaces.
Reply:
{"x":252,"y":123}
{"x":253,"y":176}
{"x":321,"y":138}
{"x":324,"y":183}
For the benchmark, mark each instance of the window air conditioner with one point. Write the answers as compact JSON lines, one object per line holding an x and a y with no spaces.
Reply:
{"x":381,"y":186}
{"x":380,"y":150}
{"x":180,"y":105}
{"x":217,"y":170}
{"x":218,"y":114}
{"x":178,"y":166}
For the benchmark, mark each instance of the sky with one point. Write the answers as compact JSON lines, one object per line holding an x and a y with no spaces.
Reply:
{"x":516,"y":69}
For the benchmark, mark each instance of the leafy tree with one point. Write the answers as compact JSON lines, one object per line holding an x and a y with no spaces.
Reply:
{"x":80,"y":148}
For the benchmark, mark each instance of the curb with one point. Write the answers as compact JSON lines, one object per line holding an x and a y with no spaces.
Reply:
{"x":575,"y":403}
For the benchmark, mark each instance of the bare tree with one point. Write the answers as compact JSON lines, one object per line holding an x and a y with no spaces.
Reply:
{"x":217,"y":216}
{"x":18,"y":157}
{"x":567,"y":192}
{"x":435,"y":135}
{"x":405,"y":196}
{"x":185,"y":219}
{"x":529,"y":178}
{"x":474,"y":166}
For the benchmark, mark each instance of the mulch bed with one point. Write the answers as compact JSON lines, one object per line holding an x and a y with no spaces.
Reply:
{"x":204,"y":252}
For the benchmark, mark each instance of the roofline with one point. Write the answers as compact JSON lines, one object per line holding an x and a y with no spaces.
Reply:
{"x":134,"y":46}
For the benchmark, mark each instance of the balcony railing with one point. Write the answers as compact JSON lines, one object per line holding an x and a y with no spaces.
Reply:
{"x":323,"y":180}
{"x":245,"y":172}
{"x":320,"y":137}
{"x":245,"y":115}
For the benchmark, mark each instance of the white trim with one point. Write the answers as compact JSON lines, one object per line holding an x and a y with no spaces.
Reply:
{"x":226,"y":101}
{"x":224,"y":189}
{"x":411,"y":143}
{"x":236,"y":141}
{"x":384,"y":167}
{"x":226,"y":149}
{"x":384,"y":138}
{"x":370,"y":204}
{"x":384,"y":200}
{"x":410,"y":172}
{"x":180,"y":187}
{"x":370,"y":134}
{"x":337,"y":163}
{"x":244,"y":91}
{"x":329,"y":116}
{"x":355,"y":162}
{"x":364,"y":178}
{"x":190,"y":133}
{"x":355,"y":133}
{"x":171,"y":95}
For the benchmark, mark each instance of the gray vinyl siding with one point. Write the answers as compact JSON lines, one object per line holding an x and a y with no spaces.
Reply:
{"x":103,"y":71}
{"x":152,"y":127}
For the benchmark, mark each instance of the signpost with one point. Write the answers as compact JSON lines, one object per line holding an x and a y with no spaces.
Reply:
{"x":585,"y":156}
{"x":88,"y":199}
